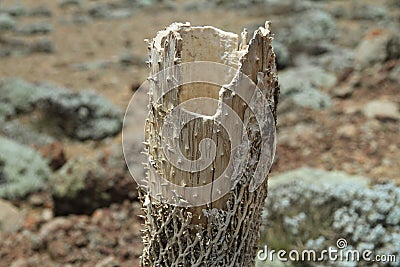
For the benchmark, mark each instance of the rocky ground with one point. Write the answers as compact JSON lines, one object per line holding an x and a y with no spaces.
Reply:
{"x":69,"y":68}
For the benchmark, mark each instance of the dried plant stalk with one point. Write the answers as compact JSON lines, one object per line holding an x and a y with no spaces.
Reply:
{"x":225,"y":231}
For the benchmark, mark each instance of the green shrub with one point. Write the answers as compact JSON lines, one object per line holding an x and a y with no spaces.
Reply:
{"x":22,"y":170}
{"x":312,"y":209}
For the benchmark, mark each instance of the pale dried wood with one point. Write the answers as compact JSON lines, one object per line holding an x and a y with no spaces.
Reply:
{"x":225,"y":232}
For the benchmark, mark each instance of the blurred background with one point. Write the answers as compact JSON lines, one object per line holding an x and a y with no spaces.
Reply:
{"x":68,"y":69}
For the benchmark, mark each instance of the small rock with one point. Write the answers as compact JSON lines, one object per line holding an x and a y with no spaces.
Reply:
{"x":343,"y":91}
{"x":11,"y":219}
{"x":32,"y":221}
{"x":82,"y":185}
{"x":54,"y":152}
{"x":296,"y":136}
{"x":377,"y":46}
{"x":108,"y":262}
{"x":37,"y":200}
{"x":347,"y":88}
{"x":57,"y":224}
{"x":20,"y":263}
{"x":344,"y":75}
{"x":47,"y":215}
{"x":382,"y":109}
{"x":35,"y":28}
{"x":347,"y":131}
{"x":36,"y":242}
{"x":58,"y":249}
{"x":7,"y":23}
